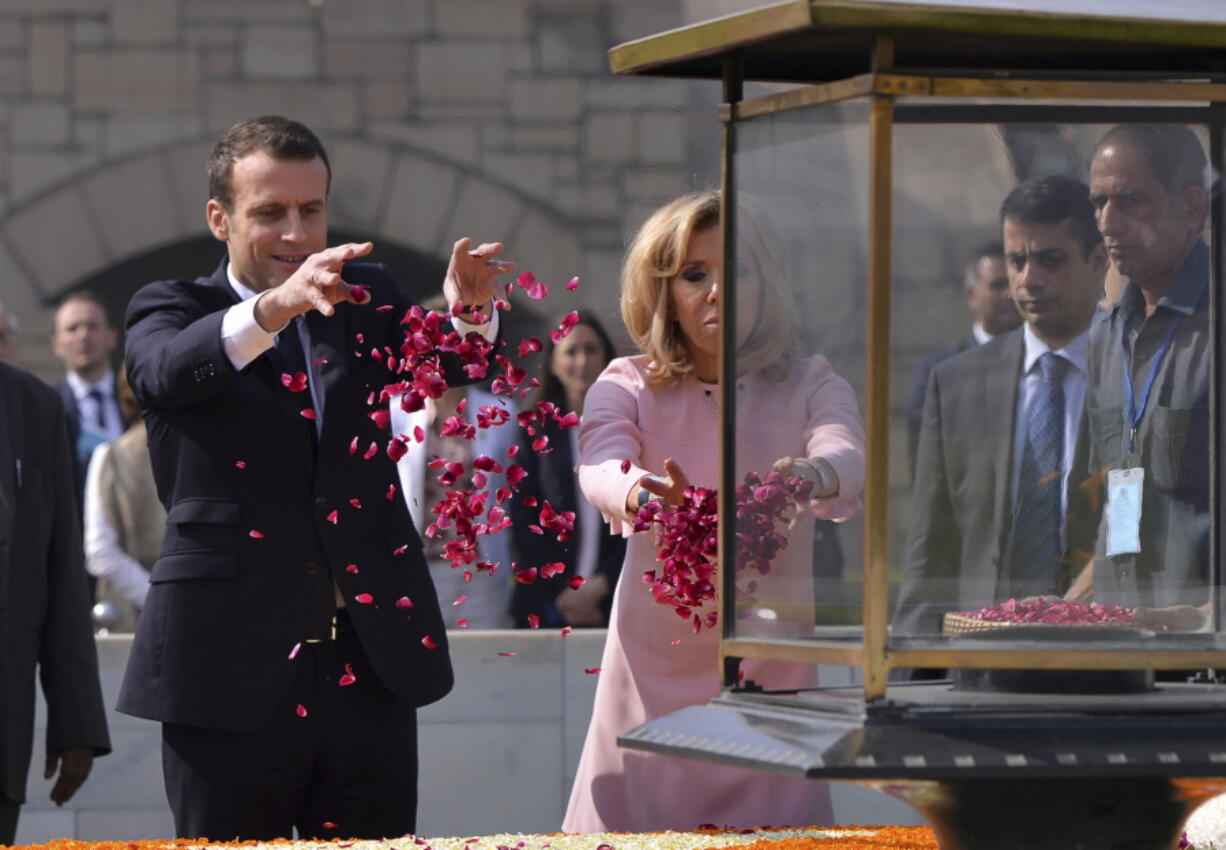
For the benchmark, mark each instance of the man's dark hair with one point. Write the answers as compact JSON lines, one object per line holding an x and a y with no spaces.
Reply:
{"x":280,"y":138}
{"x":1172,"y":151}
{"x":87,"y":295}
{"x":990,"y":249}
{"x":1051,"y":200}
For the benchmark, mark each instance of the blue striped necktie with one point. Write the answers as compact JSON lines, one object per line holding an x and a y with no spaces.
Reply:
{"x":1035,"y":564}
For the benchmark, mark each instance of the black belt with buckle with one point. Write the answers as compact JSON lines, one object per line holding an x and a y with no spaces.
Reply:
{"x":340,"y":624}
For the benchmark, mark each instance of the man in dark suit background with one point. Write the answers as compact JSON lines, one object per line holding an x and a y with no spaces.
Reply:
{"x":44,"y":611}
{"x":986,"y":289}
{"x":291,"y":628}
{"x":1001,"y":420}
{"x":84,"y":340}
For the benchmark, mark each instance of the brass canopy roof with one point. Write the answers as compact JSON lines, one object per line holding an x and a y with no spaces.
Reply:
{"x":822,"y":40}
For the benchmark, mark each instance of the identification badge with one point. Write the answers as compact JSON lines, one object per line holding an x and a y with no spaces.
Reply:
{"x":1124,"y":511}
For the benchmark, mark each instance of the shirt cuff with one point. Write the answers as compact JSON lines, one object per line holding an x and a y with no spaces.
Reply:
{"x":489,"y":330}
{"x":242,"y":338}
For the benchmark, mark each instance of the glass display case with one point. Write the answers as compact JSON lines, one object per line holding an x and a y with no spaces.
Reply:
{"x":971,"y":269}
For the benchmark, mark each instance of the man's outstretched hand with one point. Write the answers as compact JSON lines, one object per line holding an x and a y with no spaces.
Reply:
{"x":315,"y":285}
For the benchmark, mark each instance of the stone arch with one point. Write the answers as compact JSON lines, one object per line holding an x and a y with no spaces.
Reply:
{"x":147,"y":202}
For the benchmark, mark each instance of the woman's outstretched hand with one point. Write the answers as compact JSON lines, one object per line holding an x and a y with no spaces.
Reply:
{"x":670,"y":488}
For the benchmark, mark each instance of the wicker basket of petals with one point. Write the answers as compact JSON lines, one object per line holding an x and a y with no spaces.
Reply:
{"x":1037,"y":611}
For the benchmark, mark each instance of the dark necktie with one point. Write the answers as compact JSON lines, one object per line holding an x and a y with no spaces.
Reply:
{"x":1035,"y":563}
{"x":99,"y":414}
{"x":293,"y":360}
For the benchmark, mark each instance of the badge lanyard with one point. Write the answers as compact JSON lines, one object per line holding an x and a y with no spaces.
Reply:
{"x":1135,"y":411}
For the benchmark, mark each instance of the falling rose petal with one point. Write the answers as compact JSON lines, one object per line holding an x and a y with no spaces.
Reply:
{"x":576,"y":582}
{"x":565,"y":631}
{"x":397,"y":447}
{"x":512,"y":450}
{"x":241,"y":464}
{"x":534,"y":622}
{"x":347,"y":679}
{"x":357,"y":503}
{"x":364,"y":598}
{"x":572,"y":284}
{"x":429,"y":642}
{"x":380,"y":417}
{"x":293,"y":653}
{"x":677,"y":642}
{"x":329,"y":824}
{"x":463,"y":624}
{"x":530,"y":502}
{"x":295,"y":383}
{"x":320,"y":362}
{"x":459,"y":600}
{"x":400,"y":550}
{"x":383,"y":308}
{"x":507,"y":654}
{"x":351,"y":568}
{"x":533,"y":288}
{"x":333,"y":517}
{"x":529,"y":346}
{"x":255,"y":535}
{"x":360,"y":337}
{"x":359,"y":293}
{"x":591,"y":671}
{"x":353,"y":446}
{"x":526,"y":576}
{"x":625,"y":466}
{"x":540,"y":442}
{"x":301,"y":709}
{"x":391,"y":491}
{"x":404,"y":602}
{"x":419,"y":434}
{"x":371,"y":451}
{"x":307,"y":413}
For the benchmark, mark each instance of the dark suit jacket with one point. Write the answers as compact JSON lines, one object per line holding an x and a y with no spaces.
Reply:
{"x":919,"y":388}
{"x":552,"y":477}
{"x":961,"y":508}
{"x":44,"y":609}
{"x":246,"y":549}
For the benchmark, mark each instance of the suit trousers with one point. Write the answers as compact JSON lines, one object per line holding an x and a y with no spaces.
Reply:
{"x":337,"y":759}
{"x":8,"y":820}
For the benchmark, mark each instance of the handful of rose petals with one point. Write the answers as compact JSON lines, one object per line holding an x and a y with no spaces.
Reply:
{"x":688,"y":537}
{"x":1039,"y":609}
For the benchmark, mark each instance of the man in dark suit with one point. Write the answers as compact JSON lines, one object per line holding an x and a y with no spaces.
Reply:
{"x":84,"y":340}
{"x":986,"y":289}
{"x":291,"y":628}
{"x":1000,"y":423}
{"x":44,"y":611}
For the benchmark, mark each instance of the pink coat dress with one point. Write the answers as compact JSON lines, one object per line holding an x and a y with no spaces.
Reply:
{"x":653,"y":662}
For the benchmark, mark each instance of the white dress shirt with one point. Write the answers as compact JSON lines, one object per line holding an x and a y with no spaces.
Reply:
{"x":88,"y":406}
{"x":103,"y":556}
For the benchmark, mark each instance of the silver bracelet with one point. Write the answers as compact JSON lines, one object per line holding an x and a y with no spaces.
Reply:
{"x":644,"y":496}
{"x":821,"y":476}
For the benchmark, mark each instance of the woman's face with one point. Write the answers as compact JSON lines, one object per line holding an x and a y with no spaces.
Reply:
{"x":694,"y":300}
{"x":577,"y":361}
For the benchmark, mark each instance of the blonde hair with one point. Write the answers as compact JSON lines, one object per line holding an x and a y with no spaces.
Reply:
{"x":655,"y":257}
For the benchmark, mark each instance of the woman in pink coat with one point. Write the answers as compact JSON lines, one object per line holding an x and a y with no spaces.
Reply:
{"x":657,"y":410}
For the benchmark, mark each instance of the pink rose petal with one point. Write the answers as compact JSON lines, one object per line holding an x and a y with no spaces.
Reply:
{"x":507,"y":654}
{"x":295,"y":383}
{"x":576,"y":582}
{"x":307,"y":413}
{"x":293,"y":653}
{"x":301,"y":709}
{"x":333,"y":517}
{"x":351,"y":568}
{"x":591,"y":671}
{"x":534,"y":621}
{"x":241,"y":464}
{"x":364,"y":598}
{"x":256,"y":535}
{"x":404,"y":602}
{"x":572,"y":284}
{"x":429,"y":642}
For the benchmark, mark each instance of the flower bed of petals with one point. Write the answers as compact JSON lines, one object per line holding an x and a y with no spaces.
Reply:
{"x":812,"y":838}
{"x":1052,"y":612}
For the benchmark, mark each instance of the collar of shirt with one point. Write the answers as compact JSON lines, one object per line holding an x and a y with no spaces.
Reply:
{"x":981,"y":336}
{"x":1184,"y":295}
{"x":241,"y":290}
{"x":81,"y":387}
{"x":1076,"y":352}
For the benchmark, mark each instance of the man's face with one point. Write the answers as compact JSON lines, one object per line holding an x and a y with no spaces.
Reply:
{"x":82,"y":338}
{"x":989,"y":299}
{"x":278,"y":217}
{"x":1146,"y":230}
{"x":1053,"y":285}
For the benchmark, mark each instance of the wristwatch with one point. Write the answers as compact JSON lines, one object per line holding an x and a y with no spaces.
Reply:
{"x":645,"y":496}
{"x":821,"y":475}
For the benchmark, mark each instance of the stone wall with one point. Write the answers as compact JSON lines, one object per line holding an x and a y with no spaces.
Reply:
{"x":497,"y":118}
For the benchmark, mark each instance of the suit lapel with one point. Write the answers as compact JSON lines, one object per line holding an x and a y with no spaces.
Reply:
{"x":327,"y":349}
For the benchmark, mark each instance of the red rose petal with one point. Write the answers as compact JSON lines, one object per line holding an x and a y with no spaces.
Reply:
{"x":391,"y":491}
{"x":383,"y":308}
{"x":459,"y":600}
{"x":307,"y":413}
{"x":333,"y":517}
{"x":346,"y":680}
{"x":577,"y":582}
{"x":404,"y":602}
{"x":400,"y":550}
{"x":301,"y":709}
{"x":463,"y":624}
{"x":257,"y":535}
{"x":573,"y":284}
{"x":293,"y":653}
{"x":526,"y":576}
{"x":357,"y":503}
{"x":241,"y":464}
{"x":565,"y":631}
{"x":364,"y":598}
{"x":295,"y":383}
{"x":329,"y":825}
{"x":353,"y":446}
{"x":507,"y":654}
{"x":429,"y":642}
{"x":534,"y":622}
{"x":591,"y":671}
{"x":351,"y":568}
{"x":625,"y":466}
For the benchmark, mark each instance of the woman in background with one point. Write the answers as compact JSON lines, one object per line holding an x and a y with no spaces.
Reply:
{"x":568,"y":369}
{"x":649,"y":429}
